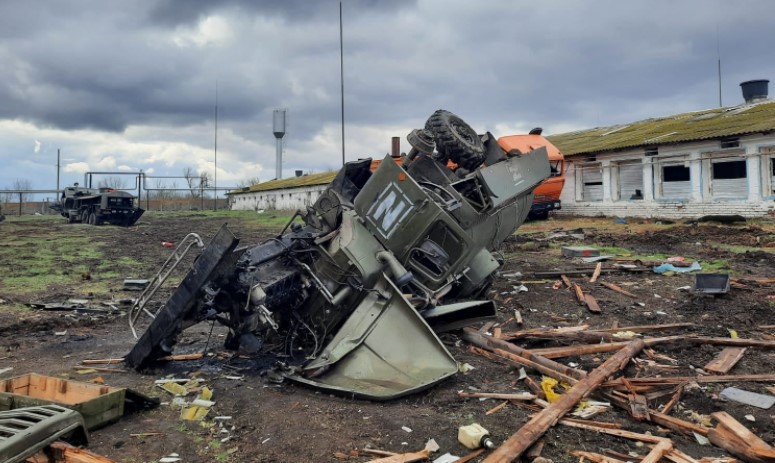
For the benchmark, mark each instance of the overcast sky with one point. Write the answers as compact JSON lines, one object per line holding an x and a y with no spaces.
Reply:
{"x":125,"y":86}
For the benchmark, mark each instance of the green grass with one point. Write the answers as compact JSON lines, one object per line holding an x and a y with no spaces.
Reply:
{"x":47,"y":262}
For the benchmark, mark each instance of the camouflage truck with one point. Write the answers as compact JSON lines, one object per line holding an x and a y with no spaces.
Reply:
{"x":96,"y":206}
{"x":352,"y":292}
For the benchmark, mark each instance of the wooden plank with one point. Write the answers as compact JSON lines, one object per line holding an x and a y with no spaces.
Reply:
{"x":66,"y":453}
{"x":687,"y":379}
{"x":581,"y":349}
{"x":579,"y":294}
{"x":522,"y":361}
{"x":534,"y":387}
{"x":740,"y":431}
{"x":725,"y":360}
{"x":596,"y":273}
{"x":536,"y":449}
{"x":724,"y":438}
{"x":566,"y":281}
{"x":403,"y":457}
{"x":496,"y":408}
{"x":646,"y":328}
{"x":496,"y":395}
{"x":658,"y":451}
{"x":595,"y":457}
{"x":526,"y":436}
{"x":732,"y":342}
{"x":469,"y":457}
{"x":472,"y":336}
{"x":592,"y":303}
{"x":639,"y":407}
{"x":618,"y":289}
{"x":673,"y":400}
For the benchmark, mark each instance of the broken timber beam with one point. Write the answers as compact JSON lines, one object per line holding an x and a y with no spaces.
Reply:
{"x":667,"y":380}
{"x":732,"y":342}
{"x":486,"y":342}
{"x":581,"y":349}
{"x":520,"y":441}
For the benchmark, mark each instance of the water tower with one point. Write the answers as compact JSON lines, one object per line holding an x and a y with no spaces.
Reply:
{"x":278,"y":128}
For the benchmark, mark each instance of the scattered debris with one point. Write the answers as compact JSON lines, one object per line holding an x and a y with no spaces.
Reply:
{"x":135,"y":284}
{"x":579,"y":251}
{"x":474,"y":436}
{"x":711,"y":283}
{"x":98,"y":404}
{"x":667,"y":267}
{"x":748,"y":398}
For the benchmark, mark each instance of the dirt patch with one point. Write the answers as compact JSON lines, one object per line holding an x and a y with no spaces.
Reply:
{"x":272,"y":422}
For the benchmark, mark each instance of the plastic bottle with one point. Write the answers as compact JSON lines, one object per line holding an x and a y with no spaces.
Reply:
{"x":475,"y":436}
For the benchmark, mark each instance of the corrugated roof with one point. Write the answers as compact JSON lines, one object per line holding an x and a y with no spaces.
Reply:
{"x":698,"y":125}
{"x":323,"y":178}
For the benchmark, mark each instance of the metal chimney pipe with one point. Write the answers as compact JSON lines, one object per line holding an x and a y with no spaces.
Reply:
{"x":278,"y":129}
{"x":395,"y":147}
{"x":755,"y":90}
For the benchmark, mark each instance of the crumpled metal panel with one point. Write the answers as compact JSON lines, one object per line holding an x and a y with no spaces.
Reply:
{"x":383,"y":351}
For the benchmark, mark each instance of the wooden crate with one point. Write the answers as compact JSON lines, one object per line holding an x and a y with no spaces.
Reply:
{"x":98,"y":404}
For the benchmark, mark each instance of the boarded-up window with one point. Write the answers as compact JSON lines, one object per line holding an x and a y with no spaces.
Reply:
{"x":676,"y":181}
{"x":630,"y":181}
{"x":592,"y":183}
{"x":728,"y":178}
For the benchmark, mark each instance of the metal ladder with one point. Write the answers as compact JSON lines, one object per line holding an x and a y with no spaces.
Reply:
{"x":169,"y":265}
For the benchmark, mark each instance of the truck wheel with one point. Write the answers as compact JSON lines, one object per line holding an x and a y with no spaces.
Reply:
{"x":92,"y":219}
{"x":543,"y":215}
{"x":455,"y":139}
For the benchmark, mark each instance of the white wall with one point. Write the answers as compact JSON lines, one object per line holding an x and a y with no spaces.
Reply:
{"x":698,"y":198}
{"x":286,"y":199}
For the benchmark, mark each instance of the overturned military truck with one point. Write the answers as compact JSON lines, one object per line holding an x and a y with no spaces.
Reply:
{"x":353,"y":291}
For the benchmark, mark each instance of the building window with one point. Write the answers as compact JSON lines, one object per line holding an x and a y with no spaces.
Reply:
{"x":629,"y":179}
{"x":772,"y":176}
{"x":728,"y":178}
{"x":592,"y":182}
{"x":674,"y":180}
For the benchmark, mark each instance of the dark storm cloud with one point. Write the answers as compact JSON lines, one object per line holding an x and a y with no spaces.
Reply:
{"x":106,"y":67}
{"x":176,"y":12}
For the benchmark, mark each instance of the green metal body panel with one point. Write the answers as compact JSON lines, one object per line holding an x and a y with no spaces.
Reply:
{"x":384,"y":350}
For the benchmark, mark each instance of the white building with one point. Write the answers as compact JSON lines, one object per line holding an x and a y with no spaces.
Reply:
{"x":712,"y":162}
{"x":284,"y":194}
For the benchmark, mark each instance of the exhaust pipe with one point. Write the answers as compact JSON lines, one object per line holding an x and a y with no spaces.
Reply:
{"x":401,"y":275}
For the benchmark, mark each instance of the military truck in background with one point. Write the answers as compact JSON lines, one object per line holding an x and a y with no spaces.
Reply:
{"x":96,"y":206}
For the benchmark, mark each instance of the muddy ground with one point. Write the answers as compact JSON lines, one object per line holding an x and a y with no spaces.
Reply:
{"x":272,"y":422}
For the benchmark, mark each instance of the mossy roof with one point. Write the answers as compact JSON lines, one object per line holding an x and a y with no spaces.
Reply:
{"x":709,"y":124}
{"x":323,"y":178}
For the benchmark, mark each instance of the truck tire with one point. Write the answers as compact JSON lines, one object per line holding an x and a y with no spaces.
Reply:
{"x":92,"y":219}
{"x":456,"y":140}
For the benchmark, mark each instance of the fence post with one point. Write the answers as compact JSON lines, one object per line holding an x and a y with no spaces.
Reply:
{"x":20,"y":204}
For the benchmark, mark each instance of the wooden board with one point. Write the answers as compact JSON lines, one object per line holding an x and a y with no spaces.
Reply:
{"x":592,"y":304}
{"x":725,"y":360}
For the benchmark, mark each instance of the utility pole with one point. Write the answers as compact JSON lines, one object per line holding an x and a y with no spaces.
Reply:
{"x":215,"y":175}
{"x":341,"y":72}
{"x":57,"y":171}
